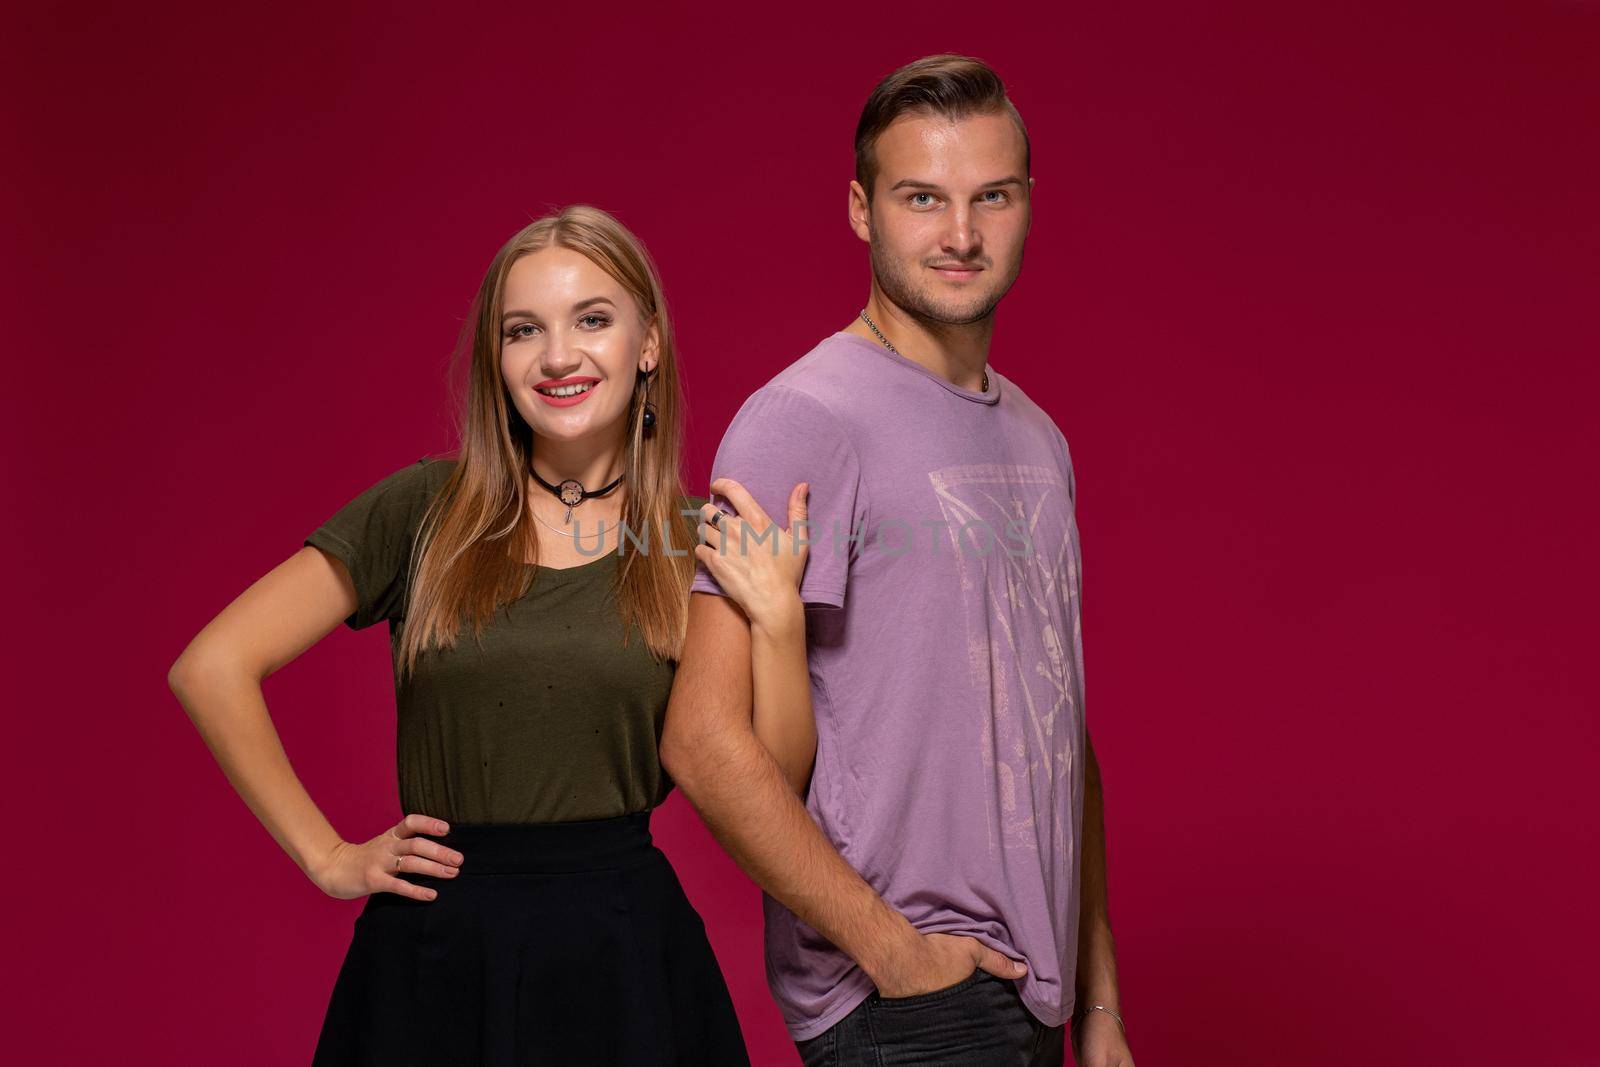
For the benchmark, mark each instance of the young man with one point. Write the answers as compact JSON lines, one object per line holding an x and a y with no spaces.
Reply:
{"x":940,"y":896}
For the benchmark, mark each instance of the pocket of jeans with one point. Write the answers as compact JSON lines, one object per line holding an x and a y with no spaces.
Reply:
{"x":919,"y":999}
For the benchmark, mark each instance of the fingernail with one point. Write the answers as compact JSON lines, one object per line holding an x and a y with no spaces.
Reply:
{"x":432,"y":893}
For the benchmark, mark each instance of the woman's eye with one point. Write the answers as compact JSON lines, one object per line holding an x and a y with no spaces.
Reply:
{"x":516,"y":331}
{"x":595,"y":321}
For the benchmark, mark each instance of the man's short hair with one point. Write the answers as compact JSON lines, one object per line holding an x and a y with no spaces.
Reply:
{"x":951,"y":85}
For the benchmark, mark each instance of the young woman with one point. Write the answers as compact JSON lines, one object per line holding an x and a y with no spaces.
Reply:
{"x":535,"y":587}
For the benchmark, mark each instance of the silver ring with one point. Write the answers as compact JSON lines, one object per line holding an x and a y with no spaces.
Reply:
{"x":716,"y":520}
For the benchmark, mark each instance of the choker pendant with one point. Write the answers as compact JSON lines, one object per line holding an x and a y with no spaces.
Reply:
{"x":570,"y":494}
{"x":571,"y":491}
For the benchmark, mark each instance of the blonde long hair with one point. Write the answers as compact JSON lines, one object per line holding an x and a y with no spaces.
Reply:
{"x":471,"y":547}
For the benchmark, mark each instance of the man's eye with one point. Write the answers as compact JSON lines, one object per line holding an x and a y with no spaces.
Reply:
{"x":516,"y":331}
{"x":917,"y":201}
{"x":998,"y":194}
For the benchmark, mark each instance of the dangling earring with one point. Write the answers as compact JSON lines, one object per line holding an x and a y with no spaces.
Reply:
{"x":649,"y":408}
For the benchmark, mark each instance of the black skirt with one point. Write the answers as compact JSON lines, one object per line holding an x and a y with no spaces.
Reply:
{"x":558,"y":943}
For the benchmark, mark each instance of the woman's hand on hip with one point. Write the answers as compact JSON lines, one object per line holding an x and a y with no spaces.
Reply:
{"x":352,"y":870}
{"x":756,"y":563}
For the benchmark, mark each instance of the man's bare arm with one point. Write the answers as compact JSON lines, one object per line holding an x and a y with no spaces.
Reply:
{"x":1096,"y":981}
{"x":740,"y":792}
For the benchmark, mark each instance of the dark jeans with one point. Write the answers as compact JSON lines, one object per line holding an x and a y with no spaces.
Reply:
{"x":978,"y":1022}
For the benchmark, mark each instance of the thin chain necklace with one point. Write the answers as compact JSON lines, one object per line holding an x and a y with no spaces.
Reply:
{"x":896,"y":351}
{"x":559,"y":530}
{"x":574,"y":533}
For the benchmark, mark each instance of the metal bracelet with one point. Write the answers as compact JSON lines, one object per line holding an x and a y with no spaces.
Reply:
{"x":1101,"y":1007}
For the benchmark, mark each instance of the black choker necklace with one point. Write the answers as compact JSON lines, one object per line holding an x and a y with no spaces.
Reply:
{"x":571,"y":492}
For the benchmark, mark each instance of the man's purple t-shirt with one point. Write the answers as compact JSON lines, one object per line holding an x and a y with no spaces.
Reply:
{"x":943,"y":638}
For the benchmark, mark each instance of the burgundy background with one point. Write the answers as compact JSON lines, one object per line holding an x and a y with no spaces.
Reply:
{"x":1311,"y":290}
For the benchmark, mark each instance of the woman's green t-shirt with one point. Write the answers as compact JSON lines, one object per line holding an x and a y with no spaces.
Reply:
{"x":552,"y":719}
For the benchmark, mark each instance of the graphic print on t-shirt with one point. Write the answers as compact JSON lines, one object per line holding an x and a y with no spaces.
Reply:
{"x":1011,"y":530}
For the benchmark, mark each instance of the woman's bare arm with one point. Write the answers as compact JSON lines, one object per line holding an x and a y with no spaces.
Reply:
{"x":759,"y":566}
{"x":218,"y":680}
{"x":781,"y":712}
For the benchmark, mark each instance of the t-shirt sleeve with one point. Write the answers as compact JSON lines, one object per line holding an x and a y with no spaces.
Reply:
{"x":372,"y":535}
{"x":1066,"y":462}
{"x":779,"y":437}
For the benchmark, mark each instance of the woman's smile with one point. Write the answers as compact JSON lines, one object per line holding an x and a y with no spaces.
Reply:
{"x":565,"y":392}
